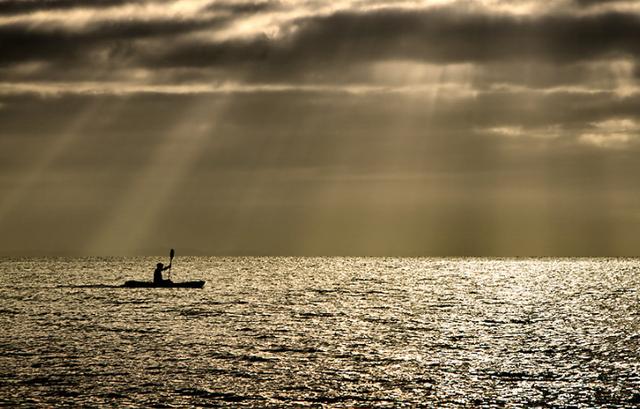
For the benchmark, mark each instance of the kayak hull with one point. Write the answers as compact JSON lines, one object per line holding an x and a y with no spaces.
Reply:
{"x":151,"y":284}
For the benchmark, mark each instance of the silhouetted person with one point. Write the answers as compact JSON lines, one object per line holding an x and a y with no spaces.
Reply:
{"x":157,"y":274}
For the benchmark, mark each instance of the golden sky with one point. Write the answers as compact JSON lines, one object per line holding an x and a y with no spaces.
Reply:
{"x":487,"y":128}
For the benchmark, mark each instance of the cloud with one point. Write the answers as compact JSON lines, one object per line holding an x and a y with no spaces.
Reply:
{"x":245,"y":7}
{"x":114,"y":40}
{"x":612,"y":133}
{"x":13,"y":7}
{"x":437,"y":36}
{"x":591,"y":3}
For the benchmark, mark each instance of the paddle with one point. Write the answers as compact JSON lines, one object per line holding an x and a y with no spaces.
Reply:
{"x":171,"y":254}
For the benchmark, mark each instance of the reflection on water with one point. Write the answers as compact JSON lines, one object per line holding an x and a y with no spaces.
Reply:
{"x":342,"y":332}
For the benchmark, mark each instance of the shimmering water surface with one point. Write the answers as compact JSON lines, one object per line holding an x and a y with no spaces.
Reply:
{"x":335,"y":332}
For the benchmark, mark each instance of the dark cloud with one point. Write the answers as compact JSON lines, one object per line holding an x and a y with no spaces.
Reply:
{"x":244,"y":8}
{"x":590,"y":3}
{"x":316,"y":44}
{"x":21,"y":43}
{"x":17,"y":7}
{"x":440,"y":36}
{"x":12,"y":7}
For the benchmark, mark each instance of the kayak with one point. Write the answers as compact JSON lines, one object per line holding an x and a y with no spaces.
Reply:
{"x":166,"y":284}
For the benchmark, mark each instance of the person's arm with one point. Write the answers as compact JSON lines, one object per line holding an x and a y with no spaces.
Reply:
{"x":167,"y":267}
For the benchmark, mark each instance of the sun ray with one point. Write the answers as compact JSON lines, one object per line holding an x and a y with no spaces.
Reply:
{"x":152,"y":189}
{"x":57,"y":146}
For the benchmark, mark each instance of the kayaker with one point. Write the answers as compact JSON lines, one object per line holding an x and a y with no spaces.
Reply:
{"x":157,"y":274}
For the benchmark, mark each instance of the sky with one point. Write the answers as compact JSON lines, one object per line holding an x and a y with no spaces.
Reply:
{"x":305,"y":127}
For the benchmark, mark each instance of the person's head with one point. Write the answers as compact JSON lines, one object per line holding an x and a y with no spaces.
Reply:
{"x":159,"y":265}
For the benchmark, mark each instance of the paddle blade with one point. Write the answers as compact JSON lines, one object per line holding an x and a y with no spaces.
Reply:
{"x":172,"y":253}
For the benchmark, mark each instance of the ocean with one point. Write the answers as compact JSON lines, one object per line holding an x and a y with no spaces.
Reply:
{"x":321,"y":332}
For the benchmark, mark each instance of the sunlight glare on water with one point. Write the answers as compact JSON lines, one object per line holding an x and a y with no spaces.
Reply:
{"x":343,"y":332}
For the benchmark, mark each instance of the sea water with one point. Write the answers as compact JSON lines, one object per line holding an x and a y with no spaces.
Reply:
{"x":333,"y":332}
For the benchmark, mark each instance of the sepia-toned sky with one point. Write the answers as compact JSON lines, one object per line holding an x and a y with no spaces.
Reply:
{"x":304,"y":127}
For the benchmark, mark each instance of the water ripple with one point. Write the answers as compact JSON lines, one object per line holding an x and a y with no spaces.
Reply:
{"x":322,"y":332}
